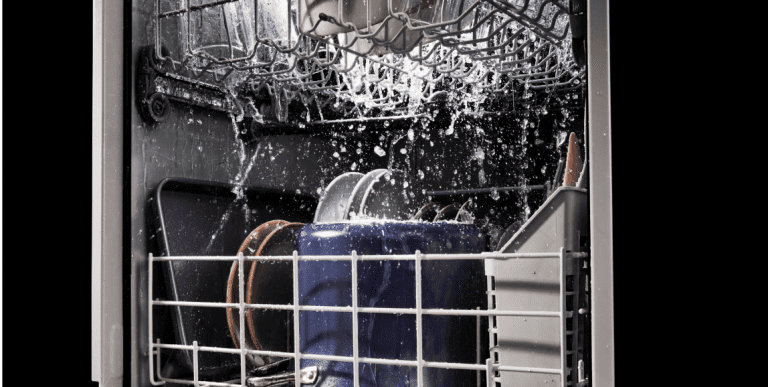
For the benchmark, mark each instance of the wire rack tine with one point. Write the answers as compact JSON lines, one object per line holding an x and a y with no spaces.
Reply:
{"x":490,"y":367}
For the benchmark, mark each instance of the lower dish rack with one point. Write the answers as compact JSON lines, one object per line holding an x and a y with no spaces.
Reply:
{"x":491,"y":366}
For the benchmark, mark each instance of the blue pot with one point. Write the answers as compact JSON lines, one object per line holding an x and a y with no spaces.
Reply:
{"x":391,"y":284}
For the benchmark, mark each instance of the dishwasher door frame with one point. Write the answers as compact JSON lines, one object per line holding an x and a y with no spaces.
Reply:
{"x":107,"y":182}
{"x":600,"y":193}
{"x":107,"y":331}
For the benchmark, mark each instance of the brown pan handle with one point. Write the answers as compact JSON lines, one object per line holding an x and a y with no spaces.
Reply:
{"x":573,"y":164}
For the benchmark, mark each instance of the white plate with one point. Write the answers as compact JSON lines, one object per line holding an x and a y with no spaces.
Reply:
{"x":353,"y":205}
{"x":392,"y":195}
{"x":331,"y":207}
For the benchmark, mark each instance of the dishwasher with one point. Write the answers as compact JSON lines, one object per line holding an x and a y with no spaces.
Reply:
{"x":351,"y":193}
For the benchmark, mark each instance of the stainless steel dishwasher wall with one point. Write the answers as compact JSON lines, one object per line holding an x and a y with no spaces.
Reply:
{"x":198,"y":144}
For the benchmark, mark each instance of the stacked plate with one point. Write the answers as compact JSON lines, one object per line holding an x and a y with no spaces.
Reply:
{"x":266,"y":282}
{"x":385,"y":195}
{"x":432,"y":212}
{"x":379,"y":194}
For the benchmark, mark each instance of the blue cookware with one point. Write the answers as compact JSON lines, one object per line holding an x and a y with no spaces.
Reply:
{"x":454,"y":284}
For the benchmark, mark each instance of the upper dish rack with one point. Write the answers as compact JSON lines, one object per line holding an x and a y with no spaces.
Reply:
{"x":416,"y":52}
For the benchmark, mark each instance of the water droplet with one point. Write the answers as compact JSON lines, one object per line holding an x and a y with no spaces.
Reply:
{"x":495,"y":194}
{"x":379,"y":151}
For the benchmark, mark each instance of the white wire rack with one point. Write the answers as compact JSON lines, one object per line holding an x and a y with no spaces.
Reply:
{"x":487,"y":47}
{"x":490,"y":367}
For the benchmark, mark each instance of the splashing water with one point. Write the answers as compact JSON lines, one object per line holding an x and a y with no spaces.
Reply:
{"x":495,"y":194}
{"x":391,"y":159}
{"x":238,"y":181}
{"x":479,"y":154}
{"x":454,"y":116}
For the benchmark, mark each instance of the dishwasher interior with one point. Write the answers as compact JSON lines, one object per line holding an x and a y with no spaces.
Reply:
{"x":374,"y":193}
